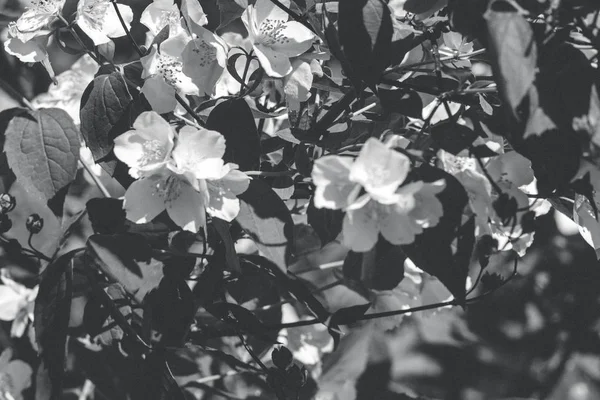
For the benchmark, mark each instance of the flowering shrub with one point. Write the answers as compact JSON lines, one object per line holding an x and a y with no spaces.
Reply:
{"x":270,"y":183}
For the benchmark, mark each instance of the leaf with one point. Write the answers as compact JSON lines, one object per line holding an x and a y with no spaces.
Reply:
{"x":116,"y":256}
{"x":157,"y":379}
{"x":349,"y":315}
{"x":52,"y":313}
{"x":403,"y":101}
{"x":231,"y":258}
{"x":42,"y":148}
{"x":242,"y":317}
{"x":452,"y":137}
{"x":432,"y":250}
{"x":230,"y":10}
{"x":234,"y":120}
{"x":295,"y":286}
{"x":104,"y":105}
{"x":365,"y":33}
{"x":172,"y":310}
{"x":97,"y":319}
{"x":327,"y":223}
{"x":514,"y":53}
{"x":265,"y":217}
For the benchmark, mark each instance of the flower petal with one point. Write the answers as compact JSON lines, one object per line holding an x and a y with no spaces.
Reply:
{"x":511,"y":168}
{"x":331,"y":176}
{"x":159,"y":94}
{"x":380,"y":170}
{"x":112,"y":27}
{"x":145,"y":199}
{"x":201,"y":63}
{"x":186,"y":206}
{"x":359,"y":229}
{"x":10,"y":303}
{"x":267,"y":10}
{"x":235,"y":181}
{"x":156,"y":16}
{"x":275,"y":64}
{"x":97,"y":36}
{"x":222,"y":204}
{"x":200,"y":151}
{"x":297,"y":39}
{"x":396,"y":225}
{"x":297,"y":84}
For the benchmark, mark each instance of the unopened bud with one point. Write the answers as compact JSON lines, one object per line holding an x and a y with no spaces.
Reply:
{"x":34,"y":223}
{"x":282,"y":358}
{"x":7,"y":202}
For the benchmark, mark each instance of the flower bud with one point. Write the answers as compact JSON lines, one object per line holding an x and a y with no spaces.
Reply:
{"x":282,"y":358}
{"x":296,"y":377}
{"x":7,"y":202}
{"x":5,"y":223}
{"x":34,"y":223}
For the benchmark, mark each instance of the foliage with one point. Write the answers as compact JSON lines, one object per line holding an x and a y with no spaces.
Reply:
{"x":283,"y":185}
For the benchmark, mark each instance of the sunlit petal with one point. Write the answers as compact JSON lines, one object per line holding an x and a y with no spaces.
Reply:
{"x":145,"y":199}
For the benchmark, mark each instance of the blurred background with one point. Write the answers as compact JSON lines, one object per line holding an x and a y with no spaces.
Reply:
{"x":536,"y":338}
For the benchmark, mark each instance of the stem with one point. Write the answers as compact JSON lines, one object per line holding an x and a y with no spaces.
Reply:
{"x":127,"y":32}
{"x":442,"y":59}
{"x":96,"y":180}
{"x":15,"y":94}
{"x":270,"y":173}
{"x":38,"y":253}
{"x":252,"y":354}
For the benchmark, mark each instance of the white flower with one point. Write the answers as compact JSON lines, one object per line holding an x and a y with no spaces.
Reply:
{"x":31,"y":51}
{"x":37,"y":17}
{"x":99,"y":20}
{"x":398,"y":212}
{"x":162,"y":13}
{"x":163,"y":72}
{"x":204,"y":60}
{"x":147,"y":147}
{"x":69,"y":88}
{"x":187,"y":179}
{"x":512,"y":174}
{"x":274,"y":38}
{"x":16,"y":304}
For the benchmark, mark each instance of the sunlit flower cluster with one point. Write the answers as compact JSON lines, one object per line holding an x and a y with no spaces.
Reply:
{"x":180,"y":172}
{"x":373,"y":193}
{"x":510,"y":173}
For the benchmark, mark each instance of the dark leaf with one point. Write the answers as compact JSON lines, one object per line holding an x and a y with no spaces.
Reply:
{"x":241,"y":317}
{"x":230,"y":10}
{"x":158,"y":382}
{"x":234,"y":120}
{"x":42,"y":148}
{"x":453,"y":137}
{"x":349,"y":315}
{"x":327,"y":223}
{"x":403,"y":101}
{"x":104,"y":107}
{"x":52,"y":314}
{"x":295,"y":286}
{"x":432,"y":250}
{"x":365,"y":33}
{"x":172,"y":309}
{"x":482,"y":151}
{"x":265,"y":217}
{"x":116,"y":256}
{"x":231,"y":259}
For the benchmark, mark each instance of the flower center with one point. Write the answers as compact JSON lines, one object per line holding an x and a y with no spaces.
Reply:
{"x":207,"y":54}
{"x":45,"y":6}
{"x":95,"y":11}
{"x":171,"y":69}
{"x":153,"y":152}
{"x":378,"y":175}
{"x":271,"y":32}
{"x":170,"y":18}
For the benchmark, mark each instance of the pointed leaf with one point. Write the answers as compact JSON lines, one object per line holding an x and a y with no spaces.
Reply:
{"x":43,"y":148}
